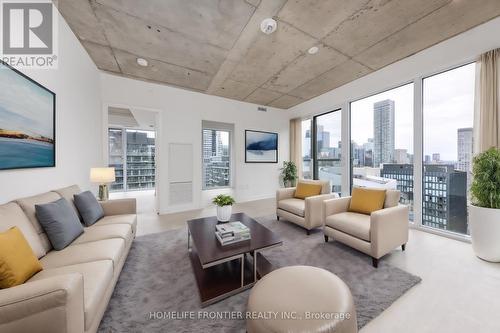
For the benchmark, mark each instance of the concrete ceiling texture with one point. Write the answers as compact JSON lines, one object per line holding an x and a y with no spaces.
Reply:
{"x":216,"y":46}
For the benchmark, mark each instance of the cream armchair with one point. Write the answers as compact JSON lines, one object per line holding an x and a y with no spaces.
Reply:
{"x":305,"y":213}
{"x":376,"y":234}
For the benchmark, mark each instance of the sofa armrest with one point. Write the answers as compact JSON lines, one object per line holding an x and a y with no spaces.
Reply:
{"x":285,"y":193}
{"x":335,"y":206}
{"x":49,"y":305}
{"x":389,"y":228}
{"x":119,"y":206}
{"x":314,"y":209}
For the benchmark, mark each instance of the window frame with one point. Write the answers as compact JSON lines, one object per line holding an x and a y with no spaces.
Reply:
{"x":418,"y":152}
{"x":311,"y":157}
{"x":124,"y":155}
{"x":314,"y":146}
{"x":230,"y":152}
{"x":351,"y":159}
{"x":421,"y":225}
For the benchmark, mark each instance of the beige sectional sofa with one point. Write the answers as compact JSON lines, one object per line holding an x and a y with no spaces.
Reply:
{"x":72,"y":291}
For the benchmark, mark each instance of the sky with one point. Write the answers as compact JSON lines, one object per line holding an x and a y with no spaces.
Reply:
{"x":24,"y":106}
{"x":362,"y":116}
{"x":448,"y":105}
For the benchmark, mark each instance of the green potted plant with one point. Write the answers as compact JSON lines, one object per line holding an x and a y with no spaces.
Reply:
{"x":484,"y":212}
{"x":224,"y":205}
{"x":289,"y":173}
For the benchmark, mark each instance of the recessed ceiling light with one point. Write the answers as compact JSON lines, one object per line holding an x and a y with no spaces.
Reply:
{"x":313,"y":50}
{"x":268,"y":26}
{"x":142,"y":62}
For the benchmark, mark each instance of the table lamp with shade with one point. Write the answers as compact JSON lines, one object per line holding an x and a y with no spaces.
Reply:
{"x":102,"y":176}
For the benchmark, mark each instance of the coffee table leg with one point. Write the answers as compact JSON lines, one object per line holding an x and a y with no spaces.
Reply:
{"x":189,"y":238}
{"x":242,"y":270}
{"x":254,"y":266}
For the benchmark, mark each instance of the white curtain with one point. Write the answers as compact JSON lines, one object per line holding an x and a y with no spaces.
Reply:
{"x":487,"y":113}
{"x":296,"y":144}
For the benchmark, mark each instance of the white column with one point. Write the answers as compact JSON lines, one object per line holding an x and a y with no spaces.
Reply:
{"x":346,"y":149}
{"x":418,"y":145}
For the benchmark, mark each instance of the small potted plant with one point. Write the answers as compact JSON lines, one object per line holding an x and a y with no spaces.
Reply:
{"x":224,"y":205}
{"x":484,"y":213}
{"x":289,"y":173}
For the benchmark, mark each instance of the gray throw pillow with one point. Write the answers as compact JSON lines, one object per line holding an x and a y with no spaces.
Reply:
{"x":88,"y":206}
{"x":60,"y":222}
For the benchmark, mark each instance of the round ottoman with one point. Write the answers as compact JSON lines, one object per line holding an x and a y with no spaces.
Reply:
{"x":301,"y":299}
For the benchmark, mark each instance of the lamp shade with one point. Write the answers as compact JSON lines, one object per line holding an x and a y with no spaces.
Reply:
{"x":102,"y":175}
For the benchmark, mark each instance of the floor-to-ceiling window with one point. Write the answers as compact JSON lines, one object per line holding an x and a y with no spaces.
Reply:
{"x":385,"y":129}
{"x":116,"y":157}
{"x":448,"y":113}
{"x":140,"y":160}
{"x":382,"y":142}
{"x":327,"y":147}
{"x":307,"y":167}
{"x":132,"y":154}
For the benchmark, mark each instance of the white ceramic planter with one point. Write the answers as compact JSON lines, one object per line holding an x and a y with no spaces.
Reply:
{"x":485,"y":232}
{"x":224,"y":213}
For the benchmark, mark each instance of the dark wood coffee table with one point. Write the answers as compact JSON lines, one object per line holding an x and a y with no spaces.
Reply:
{"x":222,"y":271}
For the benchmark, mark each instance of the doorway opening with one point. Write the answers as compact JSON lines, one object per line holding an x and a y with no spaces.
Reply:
{"x":131,"y":141}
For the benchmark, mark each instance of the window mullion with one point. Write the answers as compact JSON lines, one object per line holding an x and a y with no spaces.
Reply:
{"x":418,"y":151}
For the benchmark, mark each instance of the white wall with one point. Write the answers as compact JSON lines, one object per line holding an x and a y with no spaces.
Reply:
{"x":181,"y":115}
{"x":458,"y":50}
{"x":78,"y":110}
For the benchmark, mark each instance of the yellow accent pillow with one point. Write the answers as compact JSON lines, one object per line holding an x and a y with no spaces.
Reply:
{"x":366,"y":201}
{"x":17,"y":261}
{"x":305,"y":190}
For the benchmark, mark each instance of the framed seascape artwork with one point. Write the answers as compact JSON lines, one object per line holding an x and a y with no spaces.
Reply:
{"x":261,"y":147}
{"x":27,"y":122}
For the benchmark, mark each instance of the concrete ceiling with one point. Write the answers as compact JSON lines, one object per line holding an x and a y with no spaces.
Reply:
{"x":216,"y":47}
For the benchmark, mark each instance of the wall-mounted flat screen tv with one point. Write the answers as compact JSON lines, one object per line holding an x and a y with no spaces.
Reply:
{"x":27,"y":122}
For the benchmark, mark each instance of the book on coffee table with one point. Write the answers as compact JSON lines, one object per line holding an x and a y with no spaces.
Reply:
{"x":232,"y":232}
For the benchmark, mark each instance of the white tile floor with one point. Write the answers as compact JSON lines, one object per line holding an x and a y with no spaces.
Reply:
{"x":458,"y":293}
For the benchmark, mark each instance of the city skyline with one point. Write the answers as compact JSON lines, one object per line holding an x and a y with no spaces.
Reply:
{"x":362,"y":117}
{"x":216,"y":159}
{"x":452,"y":91}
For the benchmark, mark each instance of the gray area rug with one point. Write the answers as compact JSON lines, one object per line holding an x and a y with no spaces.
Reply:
{"x":157,"y":279}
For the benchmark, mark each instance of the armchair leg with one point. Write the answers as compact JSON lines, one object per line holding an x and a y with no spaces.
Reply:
{"x":277,"y":217}
{"x":403,"y":247}
{"x":326,"y":239}
{"x":375,"y":262}
{"x":308,"y":232}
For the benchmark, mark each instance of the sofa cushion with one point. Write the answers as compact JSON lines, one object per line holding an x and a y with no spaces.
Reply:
{"x":325,"y":184}
{"x":97,"y":276}
{"x":11,"y":215}
{"x":89,"y":208}
{"x":293,"y":205}
{"x":305,"y":190}
{"x":60,"y":222}
{"x":28,"y":206}
{"x":130,"y":219}
{"x":17,"y":261}
{"x":68,"y":193}
{"x":95,"y":233}
{"x":108,"y":249}
{"x":391,"y":198}
{"x":366,"y":201}
{"x":354,"y":224}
